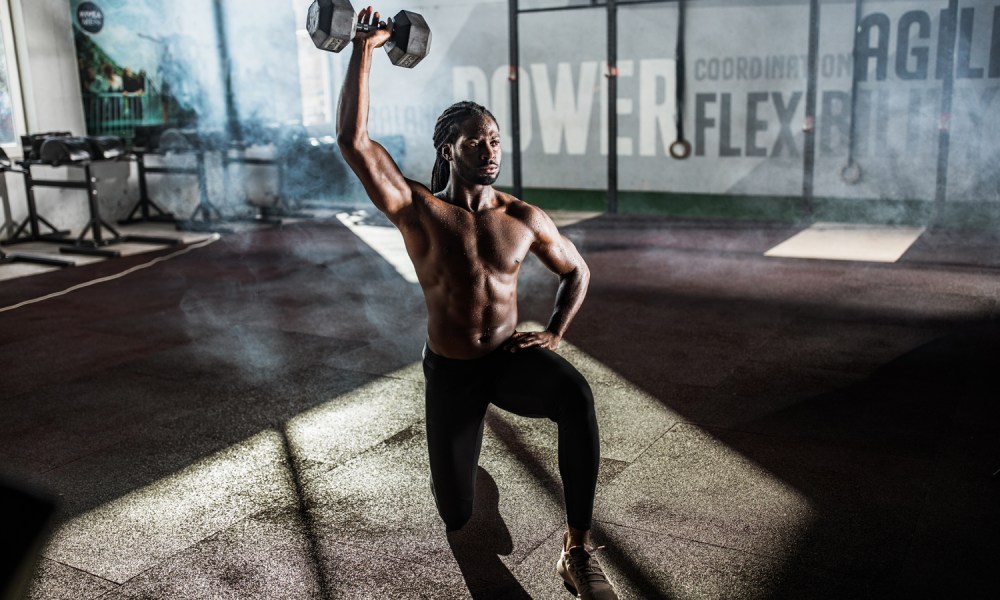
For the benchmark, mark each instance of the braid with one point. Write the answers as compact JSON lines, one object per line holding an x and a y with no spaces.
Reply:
{"x":446,"y":132}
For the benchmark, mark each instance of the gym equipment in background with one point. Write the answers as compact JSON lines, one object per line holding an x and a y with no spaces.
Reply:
{"x":207,"y":216}
{"x":332,"y":25}
{"x":146,"y":136}
{"x":60,"y":149}
{"x":680,"y":148}
{"x":6,"y":166}
{"x":851,"y":171}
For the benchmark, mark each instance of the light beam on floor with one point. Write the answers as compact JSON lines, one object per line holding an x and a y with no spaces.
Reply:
{"x":842,"y":241}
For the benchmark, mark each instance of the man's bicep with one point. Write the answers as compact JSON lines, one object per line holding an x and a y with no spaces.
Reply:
{"x":556,"y":251}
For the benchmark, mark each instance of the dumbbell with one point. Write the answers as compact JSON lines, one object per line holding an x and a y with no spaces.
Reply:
{"x":332,"y":25}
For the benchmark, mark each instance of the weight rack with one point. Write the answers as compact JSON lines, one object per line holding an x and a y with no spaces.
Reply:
{"x":206,"y":215}
{"x":145,"y":205}
{"x":5,"y":167}
{"x":30,"y":229}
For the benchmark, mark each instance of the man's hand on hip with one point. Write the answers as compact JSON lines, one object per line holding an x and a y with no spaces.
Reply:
{"x":527,"y":339}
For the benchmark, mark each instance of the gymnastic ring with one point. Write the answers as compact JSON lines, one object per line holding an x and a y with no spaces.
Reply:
{"x":680,"y":149}
{"x":851,"y":172}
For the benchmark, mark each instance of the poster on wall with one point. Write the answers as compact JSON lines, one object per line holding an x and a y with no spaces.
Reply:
{"x":8,"y":132}
{"x":147,"y":64}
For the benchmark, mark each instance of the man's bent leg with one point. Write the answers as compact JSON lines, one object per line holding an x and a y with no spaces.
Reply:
{"x":539,"y":382}
{"x":542,"y":383}
{"x":454,"y":438}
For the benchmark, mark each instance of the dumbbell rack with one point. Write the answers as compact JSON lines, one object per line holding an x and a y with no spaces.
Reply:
{"x":5,"y":167}
{"x":30,"y":230}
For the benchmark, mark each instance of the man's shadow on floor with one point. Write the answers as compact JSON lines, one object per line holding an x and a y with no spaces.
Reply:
{"x":478,"y":546}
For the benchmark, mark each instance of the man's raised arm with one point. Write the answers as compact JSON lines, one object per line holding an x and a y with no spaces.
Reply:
{"x":385,"y":184}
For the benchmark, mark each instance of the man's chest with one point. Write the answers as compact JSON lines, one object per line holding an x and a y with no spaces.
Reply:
{"x":493,"y":240}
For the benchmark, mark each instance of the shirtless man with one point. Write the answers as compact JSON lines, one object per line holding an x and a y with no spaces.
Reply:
{"x":467,"y":242}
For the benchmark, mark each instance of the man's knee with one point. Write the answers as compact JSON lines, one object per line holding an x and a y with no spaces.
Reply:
{"x":578,"y":399}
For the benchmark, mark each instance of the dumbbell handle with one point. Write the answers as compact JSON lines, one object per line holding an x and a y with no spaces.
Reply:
{"x":370,"y":27}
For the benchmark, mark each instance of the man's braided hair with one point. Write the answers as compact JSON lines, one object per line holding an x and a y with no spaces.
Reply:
{"x":446,"y":132}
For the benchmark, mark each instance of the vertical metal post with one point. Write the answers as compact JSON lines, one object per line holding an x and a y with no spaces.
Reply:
{"x":946,"y":72}
{"x":857,"y":71}
{"x":95,"y":220}
{"x":232,"y":120}
{"x":612,"y":76}
{"x":515,"y":97}
{"x":204,"y":205}
{"x":809,"y":127}
{"x":32,"y":220}
{"x":140,"y":159}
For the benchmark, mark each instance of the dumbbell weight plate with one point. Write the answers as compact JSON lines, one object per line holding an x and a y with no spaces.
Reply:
{"x":60,"y":150}
{"x":331,"y":24}
{"x":410,"y":41}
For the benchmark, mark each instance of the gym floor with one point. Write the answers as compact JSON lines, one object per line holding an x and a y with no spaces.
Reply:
{"x":245,"y":420}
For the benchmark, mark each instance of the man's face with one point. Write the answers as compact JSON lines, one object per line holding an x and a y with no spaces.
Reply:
{"x":476,"y":152}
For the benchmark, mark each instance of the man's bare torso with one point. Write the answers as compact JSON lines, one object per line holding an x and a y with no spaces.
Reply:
{"x":467,"y":264}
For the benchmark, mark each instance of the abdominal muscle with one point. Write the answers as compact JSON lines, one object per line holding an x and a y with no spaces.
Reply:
{"x":471,"y":324}
{"x":467,"y":266}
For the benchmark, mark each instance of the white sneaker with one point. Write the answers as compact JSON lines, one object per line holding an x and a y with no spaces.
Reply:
{"x":583,"y":574}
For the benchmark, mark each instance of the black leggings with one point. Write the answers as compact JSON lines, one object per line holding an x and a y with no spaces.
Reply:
{"x":534,"y":382}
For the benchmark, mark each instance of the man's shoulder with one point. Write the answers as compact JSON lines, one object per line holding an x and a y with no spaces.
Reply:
{"x":533,"y":217}
{"x":420,"y":194}
{"x":516,"y":207}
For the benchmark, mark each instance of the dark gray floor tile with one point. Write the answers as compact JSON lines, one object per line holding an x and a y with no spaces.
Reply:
{"x":55,"y":581}
{"x":381,"y":501}
{"x":897,"y":407}
{"x":644,"y":565}
{"x":355,"y":420}
{"x":64,"y":355}
{"x":400,"y":358}
{"x":841,"y":510}
{"x":18,"y":468}
{"x":62,"y":422}
{"x":130,"y":534}
{"x":959,"y":530}
{"x":241,"y":411}
{"x":850,"y":347}
{"x":141,"y":458}
{"x":249,"y":559}
{"x":756,"y":390}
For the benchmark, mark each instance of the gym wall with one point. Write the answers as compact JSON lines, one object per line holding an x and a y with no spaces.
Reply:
{"x":744,"y":107}
{"x":745,"y":104}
